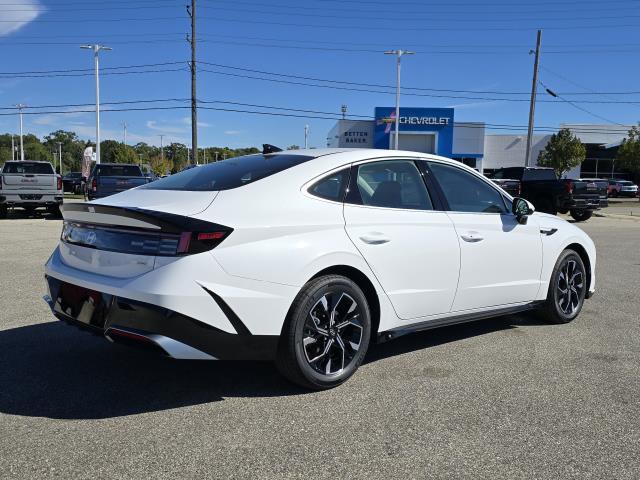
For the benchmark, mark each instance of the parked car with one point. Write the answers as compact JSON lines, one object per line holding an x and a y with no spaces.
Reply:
{"x":30,"y":185}
{"x":509,"y":185}
{"x":622,"y":188}
{"x":551,"y":195}
{"x":307,"y":257}
{"x":603,"y":189}
{"x":109,"y":178}
{"x":73,"y":182}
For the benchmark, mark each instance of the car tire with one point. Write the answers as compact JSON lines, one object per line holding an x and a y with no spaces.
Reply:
{"x":613,"y":194}
{"x":326,"y":334}
{"x":581,"y":215}
{"x":54,"y":211}
{"x":3,"y":211}
{"x":565,"y":298}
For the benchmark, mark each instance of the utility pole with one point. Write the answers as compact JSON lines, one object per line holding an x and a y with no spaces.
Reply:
{"x":20,"y":106}
{"x":161,"y":148}
{"x":124,"y":125}
{"x":60,"y":155}
{"x":398,"y":54}
{"x":344,"y":111}
{"x":96,"y":49}
{"x":306,"y":136}
{"x":532,"y":104}
{"x":194,"y":107}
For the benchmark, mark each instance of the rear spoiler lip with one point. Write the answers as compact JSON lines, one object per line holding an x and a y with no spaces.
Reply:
{"x":137,"y":218}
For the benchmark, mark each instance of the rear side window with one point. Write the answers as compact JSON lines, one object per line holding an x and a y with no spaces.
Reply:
{"x":27,"y":168}
{"x":392,"y":184}
{"x":331,"y":187}
{"x":228,"y":174}
{"x":465,"y":192}
{"x":118,"y":171}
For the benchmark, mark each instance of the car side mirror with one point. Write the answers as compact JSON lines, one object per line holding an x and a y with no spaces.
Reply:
{"x":522,"y":208}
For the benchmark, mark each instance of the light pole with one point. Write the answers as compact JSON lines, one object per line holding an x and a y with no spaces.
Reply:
{"x":161,"y":148}
{"x":398,"y":54}
{"x":124,"y":126}
{"x":60,"y":155}
{"x":96,"y":49}
{"x":306,"y":136}
{"x":20,"y":106}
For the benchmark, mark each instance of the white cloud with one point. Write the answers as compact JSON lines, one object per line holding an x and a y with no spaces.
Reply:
{"x":153,"y":125}
{"x":187,"y":121}
{"x":232,"y":132}
{"x":18,"y":13}
{"x":57,"y":118}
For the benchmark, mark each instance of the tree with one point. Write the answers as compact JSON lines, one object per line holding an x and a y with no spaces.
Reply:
{"x":563,"y":152}
{"x":72,"y":148}
{"x":629,"y":151}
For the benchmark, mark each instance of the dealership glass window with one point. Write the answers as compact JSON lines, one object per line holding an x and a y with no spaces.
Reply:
{"x":331,"y":187}
{"x":465,"y":192}
{"x":392,"y":184}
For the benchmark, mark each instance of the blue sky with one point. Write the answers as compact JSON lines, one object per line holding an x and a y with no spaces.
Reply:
{"x":588,"y":47}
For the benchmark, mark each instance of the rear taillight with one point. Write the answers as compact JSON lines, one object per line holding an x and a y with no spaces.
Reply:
{"x":197,"y":242}
{"x":59,"y":183}
{"x":94,"y":185}
{"x":568,"y":187}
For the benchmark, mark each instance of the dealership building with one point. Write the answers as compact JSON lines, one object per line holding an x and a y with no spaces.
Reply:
{"x":434,"y":130}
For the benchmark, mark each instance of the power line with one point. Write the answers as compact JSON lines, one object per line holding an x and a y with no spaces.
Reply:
{"x":131,"y":72}
{"x":339,"y":85}
{"x":69,"y":70}
{"x":321,"y":115}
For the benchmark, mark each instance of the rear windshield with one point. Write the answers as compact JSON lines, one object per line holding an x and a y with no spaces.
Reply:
{"x":228,"y":174}
{"x":118,"y":171}
{"x":73,"y":175}
{"x":28,"y":168}
{"x":539,"y":174}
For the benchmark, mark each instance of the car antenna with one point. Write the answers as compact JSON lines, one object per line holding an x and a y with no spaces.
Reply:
{"x":266,"y":149}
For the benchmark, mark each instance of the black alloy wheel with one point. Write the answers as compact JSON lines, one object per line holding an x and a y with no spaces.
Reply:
{"x":326,"y":335}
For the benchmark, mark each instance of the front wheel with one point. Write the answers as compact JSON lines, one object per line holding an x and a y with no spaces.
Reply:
{"x":326,"y":335}
{"x":567,"y":289}
{"x":581,"y":215}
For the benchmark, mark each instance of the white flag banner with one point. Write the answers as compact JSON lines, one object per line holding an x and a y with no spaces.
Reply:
{"x":87,"y":158}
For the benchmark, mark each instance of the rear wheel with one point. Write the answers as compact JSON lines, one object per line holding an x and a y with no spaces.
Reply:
{"x":3,"y":211}
{"x":567,"y":289}
{"x":326,"y":336}
{"x":54,"y":211}
{"x":581,"y":215}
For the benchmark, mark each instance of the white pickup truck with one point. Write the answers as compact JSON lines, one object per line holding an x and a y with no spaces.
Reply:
{"x":30,"y":185}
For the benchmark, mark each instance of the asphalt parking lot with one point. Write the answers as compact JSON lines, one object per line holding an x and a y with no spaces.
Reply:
{"x":504,"y":398}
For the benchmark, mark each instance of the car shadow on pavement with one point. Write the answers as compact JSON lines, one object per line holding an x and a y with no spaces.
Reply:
{"x":55,"y":371}
{"x":52,"y":370}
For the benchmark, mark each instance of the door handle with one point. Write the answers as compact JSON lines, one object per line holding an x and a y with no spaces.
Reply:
{"x":472,"y":237}
{"x":374,"y":238}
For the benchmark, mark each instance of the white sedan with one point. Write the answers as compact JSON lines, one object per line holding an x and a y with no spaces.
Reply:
{"x":307,"y":257}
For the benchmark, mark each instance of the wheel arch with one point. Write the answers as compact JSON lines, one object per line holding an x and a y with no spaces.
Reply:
{"x":360,"y":279}
{"x":584,"y":256}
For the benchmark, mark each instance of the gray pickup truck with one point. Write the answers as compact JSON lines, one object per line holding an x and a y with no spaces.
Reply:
{"x":30,"y":185}
{"x":110,"y":178}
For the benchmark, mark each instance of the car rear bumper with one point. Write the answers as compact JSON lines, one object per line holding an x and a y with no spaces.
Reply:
{"x":124,"y":320}
{"x":31,"y":199}
{"x":581,"y":204}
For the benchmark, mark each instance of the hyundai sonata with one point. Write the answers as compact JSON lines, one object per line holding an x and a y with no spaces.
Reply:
{"x":307,"y":257}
